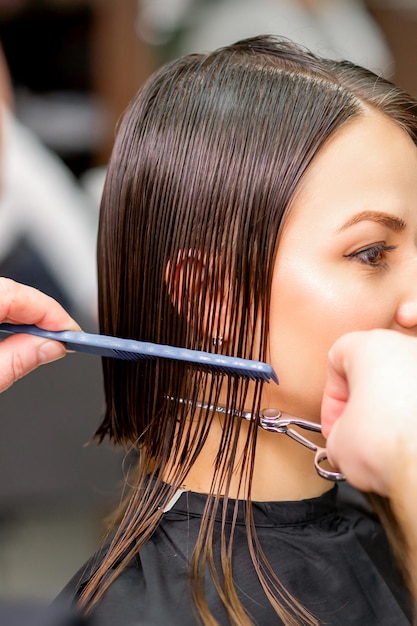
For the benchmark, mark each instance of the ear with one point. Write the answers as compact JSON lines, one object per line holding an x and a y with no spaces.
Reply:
{"x":188,"y":280}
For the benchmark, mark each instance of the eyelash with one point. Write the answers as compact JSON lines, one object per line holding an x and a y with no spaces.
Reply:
{"x":378,"y":250}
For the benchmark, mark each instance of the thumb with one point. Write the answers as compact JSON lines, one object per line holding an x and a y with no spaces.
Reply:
{"x":21,"y":354}
{"x":336,"y":389}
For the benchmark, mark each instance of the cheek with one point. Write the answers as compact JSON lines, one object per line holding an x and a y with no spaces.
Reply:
{"x":309,"y":301}
{"x":310,"y":308}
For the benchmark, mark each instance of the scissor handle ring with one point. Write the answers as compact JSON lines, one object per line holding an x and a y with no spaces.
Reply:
{"x":320,"y":457}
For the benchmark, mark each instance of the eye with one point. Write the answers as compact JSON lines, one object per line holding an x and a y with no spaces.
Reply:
{"x":372,"y":256}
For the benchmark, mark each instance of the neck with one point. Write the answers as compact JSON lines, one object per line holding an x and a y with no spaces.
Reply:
{"x":283,"y":469}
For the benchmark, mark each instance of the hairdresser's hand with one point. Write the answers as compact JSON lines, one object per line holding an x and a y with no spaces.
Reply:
{"x":369,"y":410}
{"x":20,"y":354}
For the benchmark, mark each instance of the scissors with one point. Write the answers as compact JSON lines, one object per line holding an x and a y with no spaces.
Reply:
{"x":274,"y":421}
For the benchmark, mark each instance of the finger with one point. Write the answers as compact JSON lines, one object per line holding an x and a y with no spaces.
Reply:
{"x":336,"y":388}
{"x":334,"y":452}
{"x":366,"y":466}
{"x":25,"y":305}
{"x":21,"y":354}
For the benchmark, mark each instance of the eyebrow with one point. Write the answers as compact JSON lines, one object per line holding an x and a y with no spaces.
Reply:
{"x":391,"y":221}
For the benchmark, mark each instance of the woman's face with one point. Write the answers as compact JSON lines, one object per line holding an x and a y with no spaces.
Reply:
{"x":347,"y":259}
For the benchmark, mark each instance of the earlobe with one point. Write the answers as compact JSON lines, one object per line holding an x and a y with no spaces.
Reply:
{"x":189,"y":284}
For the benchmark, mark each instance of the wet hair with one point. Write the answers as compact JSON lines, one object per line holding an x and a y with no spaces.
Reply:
{"x":206,"y":162}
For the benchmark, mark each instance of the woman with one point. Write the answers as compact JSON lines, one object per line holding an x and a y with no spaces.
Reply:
{"x":260,"y":202}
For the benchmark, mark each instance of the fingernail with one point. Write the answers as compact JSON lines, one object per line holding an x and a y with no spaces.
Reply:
{"x":51,"y":351}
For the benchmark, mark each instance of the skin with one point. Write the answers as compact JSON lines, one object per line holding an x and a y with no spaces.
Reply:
{"x":347,"y":261}
{"x":370,"y":403}
{"x":369,"y":414}
{"x":20,"y":354}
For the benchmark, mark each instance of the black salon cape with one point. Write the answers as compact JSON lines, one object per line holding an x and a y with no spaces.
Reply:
{"x":332,"y":556}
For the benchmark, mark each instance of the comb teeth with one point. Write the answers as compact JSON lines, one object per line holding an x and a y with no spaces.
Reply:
{"x":131,"y":350}
{"x":265,"y":373}
{"x":130,"y":356}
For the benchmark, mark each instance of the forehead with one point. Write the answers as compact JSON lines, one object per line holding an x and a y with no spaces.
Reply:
{"x":369,"y":164}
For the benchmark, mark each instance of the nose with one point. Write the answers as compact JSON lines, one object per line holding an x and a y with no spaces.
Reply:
{"x":406,"y":313}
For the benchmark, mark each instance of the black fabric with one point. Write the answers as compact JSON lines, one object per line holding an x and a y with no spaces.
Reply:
{"x":331,"y":555}
{"x":33,"y":614}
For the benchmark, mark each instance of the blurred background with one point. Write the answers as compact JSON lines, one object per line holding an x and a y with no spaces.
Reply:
{"x":69,"y":69}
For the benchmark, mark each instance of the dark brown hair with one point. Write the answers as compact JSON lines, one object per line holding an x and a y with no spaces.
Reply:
{"x":204,"y":167}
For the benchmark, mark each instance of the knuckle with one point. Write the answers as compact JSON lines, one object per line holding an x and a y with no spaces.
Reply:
{"x":18,"y":367}
{"x":7,"y":295}
{"x":6,"y":285}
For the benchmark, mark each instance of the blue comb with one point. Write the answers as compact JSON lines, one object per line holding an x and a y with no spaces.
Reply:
{"x":131,"y":350}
